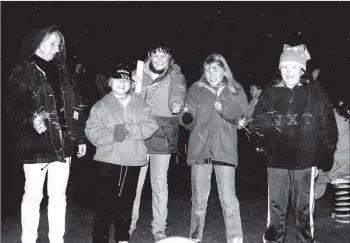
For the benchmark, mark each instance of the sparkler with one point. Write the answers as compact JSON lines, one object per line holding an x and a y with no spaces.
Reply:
{"x":242,"y":122}
{"x":41,"y":114}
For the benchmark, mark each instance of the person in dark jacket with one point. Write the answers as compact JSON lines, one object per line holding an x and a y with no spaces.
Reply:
{"x":296,"y":120}
{"x":47,"y":123}
{"x":216,"y":103}
{"x":164,"y":89}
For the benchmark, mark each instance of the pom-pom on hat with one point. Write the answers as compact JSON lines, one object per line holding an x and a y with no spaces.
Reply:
{"x":296,"y":55}
{"x":122,"y":71}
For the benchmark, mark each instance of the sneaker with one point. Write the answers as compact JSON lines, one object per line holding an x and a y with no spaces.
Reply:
{"x":237,"y":240}
{"x":123,"y":241}
{"x":196,"y":240}
{"x":159,"y":235}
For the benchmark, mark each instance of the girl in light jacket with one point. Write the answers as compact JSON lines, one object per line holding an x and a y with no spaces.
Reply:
{"x":213,"y":107}
{"x":117,"y":126}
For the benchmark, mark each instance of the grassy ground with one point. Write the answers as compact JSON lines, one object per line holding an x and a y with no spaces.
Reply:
{"x":253,"y":212}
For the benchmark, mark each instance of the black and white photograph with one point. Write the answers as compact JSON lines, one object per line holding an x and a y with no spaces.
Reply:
{"x":175,"y":121}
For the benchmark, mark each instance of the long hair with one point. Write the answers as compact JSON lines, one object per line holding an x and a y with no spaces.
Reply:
{"x":232,"y":83}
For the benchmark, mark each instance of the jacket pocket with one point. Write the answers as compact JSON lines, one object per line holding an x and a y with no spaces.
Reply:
{"x":33,"y":143}
{"x":166,"y":137}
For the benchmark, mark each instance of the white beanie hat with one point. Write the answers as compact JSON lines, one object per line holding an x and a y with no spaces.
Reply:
{"x":296,"y":55}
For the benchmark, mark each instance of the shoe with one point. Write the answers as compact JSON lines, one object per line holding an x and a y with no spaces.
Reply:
{"x":237,"y":240}
{"x":196,"y":240}
{"x":123,"y":241}
{"x":159,"y":235}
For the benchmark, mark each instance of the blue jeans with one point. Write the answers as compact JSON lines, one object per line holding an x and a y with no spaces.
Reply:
{"x":201,"y":181}
{"x":159,"y":165}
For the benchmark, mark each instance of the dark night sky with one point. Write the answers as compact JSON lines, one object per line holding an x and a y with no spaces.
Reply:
{"x":249,"y":34}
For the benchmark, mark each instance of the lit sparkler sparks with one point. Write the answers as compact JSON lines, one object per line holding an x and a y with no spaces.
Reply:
{"x":242,"y":122}
{"x":41,"y":114}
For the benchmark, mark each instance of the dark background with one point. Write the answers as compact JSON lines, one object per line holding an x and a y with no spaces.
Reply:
{"x":250,"y":35}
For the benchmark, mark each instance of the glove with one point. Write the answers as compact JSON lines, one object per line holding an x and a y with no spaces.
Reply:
{"x":187,"y":118}
{"x":120,"y":133}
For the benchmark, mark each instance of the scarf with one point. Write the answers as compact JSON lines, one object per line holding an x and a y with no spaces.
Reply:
{"x":153,"y":70}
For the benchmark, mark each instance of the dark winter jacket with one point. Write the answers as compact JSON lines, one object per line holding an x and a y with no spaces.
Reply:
{"x":299,"y":126}
{"x":30,"y":92}
{"x":214,"y":134}
{"x":160,"y":94}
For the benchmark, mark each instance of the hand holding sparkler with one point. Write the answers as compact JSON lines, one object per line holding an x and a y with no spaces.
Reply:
{"x":242,"y":123}
{"x":187,"y":117}
{"x":38,"y":122}
{"x":175,"y":108}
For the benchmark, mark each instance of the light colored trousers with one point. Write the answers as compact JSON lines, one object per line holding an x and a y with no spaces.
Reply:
{"x":159,"y":165}
{"x":57,"y":180}
{"x":201,"y":186}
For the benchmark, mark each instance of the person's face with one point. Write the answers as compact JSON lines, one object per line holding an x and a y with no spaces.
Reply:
{"x":49,"y":47}
{"x":291,"y":75}
{"x":120,"y":86}
{"x":254,"y":91}
{"x":214,"y":73}
{"x":160,"y":59}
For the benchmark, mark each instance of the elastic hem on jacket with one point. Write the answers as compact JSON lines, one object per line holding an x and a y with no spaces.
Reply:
{"x":162,"y":152}
{"x":210,"y":161}
{"x":284,"y":167}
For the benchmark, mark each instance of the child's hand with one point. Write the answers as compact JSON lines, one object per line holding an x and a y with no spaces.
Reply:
{"x":81,"y":150}
{"x":120,"y":133}
{"x":175,"y":108}
{"x":218,"y":106}
{"x":136,"y":78}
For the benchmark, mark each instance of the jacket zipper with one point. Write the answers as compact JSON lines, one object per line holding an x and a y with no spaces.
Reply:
{"x":55,"y":110}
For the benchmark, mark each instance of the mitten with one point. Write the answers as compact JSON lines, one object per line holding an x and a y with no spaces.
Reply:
{"x":187,"y":118}
{"x":120,"y":133}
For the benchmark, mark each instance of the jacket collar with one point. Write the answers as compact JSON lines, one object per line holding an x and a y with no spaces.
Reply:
{"x":212,"y":89}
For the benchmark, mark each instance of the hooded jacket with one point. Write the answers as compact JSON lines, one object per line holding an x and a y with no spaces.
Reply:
{"x":214,"y":133}
{"x":108,"y":112}
{"x":342,"y":153}
{"x":298,"y":125}
{"x":30,"y":92}
{"x":160,"y":94}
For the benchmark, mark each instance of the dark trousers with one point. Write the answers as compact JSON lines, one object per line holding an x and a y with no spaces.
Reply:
{"x":296,"y":186}
{"x":115,"y":193}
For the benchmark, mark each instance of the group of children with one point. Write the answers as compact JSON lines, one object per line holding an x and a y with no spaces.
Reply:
{"x":293,"y":115}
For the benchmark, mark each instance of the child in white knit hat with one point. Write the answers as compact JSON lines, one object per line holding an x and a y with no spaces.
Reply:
{"x":297,"y":123}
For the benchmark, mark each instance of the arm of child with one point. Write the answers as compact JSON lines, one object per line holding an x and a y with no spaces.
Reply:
{"x":260,"y":118}
{"x":235,"y":108}
{"x":145,"y":127}
{"x":328,"y":130}
{"x":94,"y":130}
{"x":186,"y":117}
{"x":177,"y":90}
